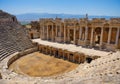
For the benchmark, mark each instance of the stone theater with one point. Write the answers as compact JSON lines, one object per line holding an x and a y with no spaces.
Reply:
{"x":59,"y":51}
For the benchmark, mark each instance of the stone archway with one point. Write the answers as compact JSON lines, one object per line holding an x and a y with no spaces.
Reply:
{"x":89,"y":60}
{"x":97,"y":35}
{"x":71,"y":35}
{"x":31,"y":36}
{"x":49,"y":32}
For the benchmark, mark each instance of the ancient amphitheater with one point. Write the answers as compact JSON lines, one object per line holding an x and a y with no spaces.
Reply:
{"x":57,"y":51}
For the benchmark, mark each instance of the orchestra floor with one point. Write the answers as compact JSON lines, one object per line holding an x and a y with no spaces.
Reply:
{"x":40,"y":65}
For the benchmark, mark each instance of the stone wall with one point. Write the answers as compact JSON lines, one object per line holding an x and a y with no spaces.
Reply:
{"x":20,"y":54}
{"x":71,"y":56}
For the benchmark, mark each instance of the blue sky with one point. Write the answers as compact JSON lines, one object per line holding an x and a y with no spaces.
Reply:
{"x":92,"y":7}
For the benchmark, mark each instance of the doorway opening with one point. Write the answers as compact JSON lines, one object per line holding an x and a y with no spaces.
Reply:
{"x":71,"y":36}
{"x":89,"y":60}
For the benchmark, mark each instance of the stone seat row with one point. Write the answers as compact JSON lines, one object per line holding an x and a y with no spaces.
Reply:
{"x":102,"y":63}
{"x":3,"y":54}
{"x":8,"y":49}
{"x":110,"y":67}
{"x":7,"y":42}
{"x":13,"y":39}
{"x":21,"y":37}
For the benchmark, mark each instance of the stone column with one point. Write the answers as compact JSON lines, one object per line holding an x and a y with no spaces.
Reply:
{"x":52,"y":33}
{"x":63,"y":54}
{"x":64,"y":33}
{"x":47,"y":33}
{"x":60,"y":30}
{"x":91,"y":40}
{"x":68,"y":56}
{"x":117,"y":36}
{"x":43,"y":32}
{"x":50,"y":50}
{"x":79,"y":59}
{"x":74,"y":35}
{"x":86,"y":33}
{"x":80,"y":33}
{"x":109,"y":35}
{"x":56,"y":31}
{"x":68,"y":34}
{"x":101,"y":37}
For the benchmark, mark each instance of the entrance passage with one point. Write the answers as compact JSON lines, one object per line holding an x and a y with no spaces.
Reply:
{"x":97,"y":35}
{"x":88,"y":60}
{"x":71,"y":35}
{"x":41,"y":65}
{"x":97,"y":41}
{"x":31,"y":35}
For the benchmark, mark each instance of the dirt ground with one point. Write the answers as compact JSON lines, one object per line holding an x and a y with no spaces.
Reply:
{"x":40,"y":65}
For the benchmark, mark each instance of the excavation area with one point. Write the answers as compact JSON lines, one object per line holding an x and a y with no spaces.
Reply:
{"x":40,"y":65}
